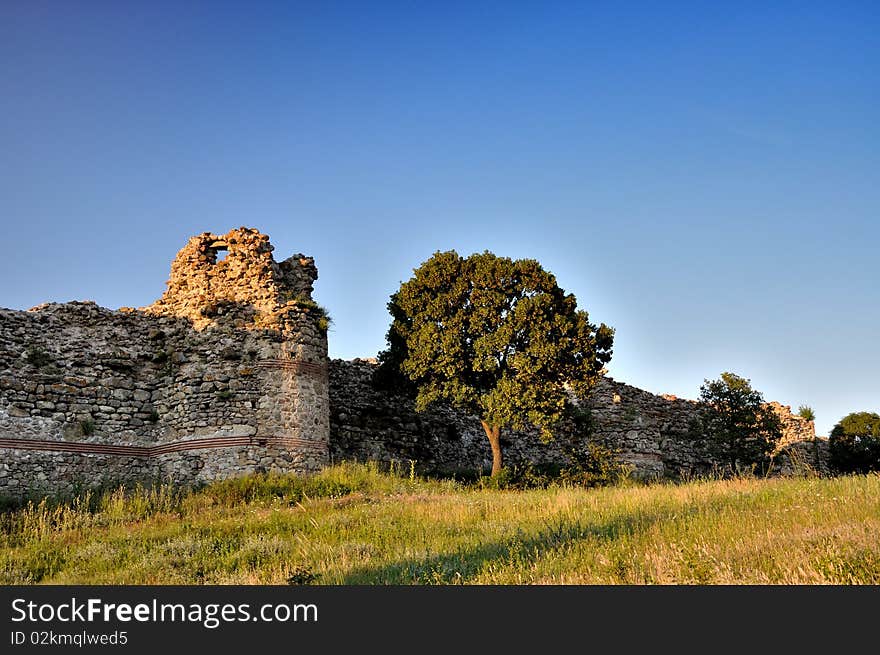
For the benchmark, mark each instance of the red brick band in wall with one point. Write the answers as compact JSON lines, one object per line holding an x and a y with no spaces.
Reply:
{"x":84,"y":448}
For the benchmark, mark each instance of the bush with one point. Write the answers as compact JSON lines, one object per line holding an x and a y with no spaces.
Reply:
{"x":739,"y":430}
{"x":590,"y":462}
{"x":37,"y":357}
{"x":324,"y":323}
{"x":854,"y":444}
{"x":806,"y":412}
{"x":501,"y":480}
{"x":595,"y":466}
{"x":322,"y":316}
{"x":591,"y":465}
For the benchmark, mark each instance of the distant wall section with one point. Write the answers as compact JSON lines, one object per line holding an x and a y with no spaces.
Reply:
{"x":651,"y":434}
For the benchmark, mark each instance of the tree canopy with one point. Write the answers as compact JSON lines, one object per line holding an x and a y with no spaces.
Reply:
{"x":739,"y":428}
{"x":854,"y":443}
{"x":496,"y":337}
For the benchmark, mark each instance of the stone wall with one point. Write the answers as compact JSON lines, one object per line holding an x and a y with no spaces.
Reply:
{"x":226,"y":374}
{"x":650,"y":434}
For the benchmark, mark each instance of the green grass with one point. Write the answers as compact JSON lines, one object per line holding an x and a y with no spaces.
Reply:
{"x":352,"y":524}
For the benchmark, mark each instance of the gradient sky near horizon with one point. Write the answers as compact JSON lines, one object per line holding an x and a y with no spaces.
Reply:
{"x":704,"y":177}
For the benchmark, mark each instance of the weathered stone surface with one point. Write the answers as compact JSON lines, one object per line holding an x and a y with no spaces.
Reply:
{"x":215,"y":357}
{"x":650,"y":433}
{"x":247,"y":285}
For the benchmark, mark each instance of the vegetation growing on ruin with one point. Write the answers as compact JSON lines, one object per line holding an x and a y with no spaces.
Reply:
{"x":38,"y":357}
{"x":806,"y":412}
{"x":322,"y":316}
{"x":352,"y":524}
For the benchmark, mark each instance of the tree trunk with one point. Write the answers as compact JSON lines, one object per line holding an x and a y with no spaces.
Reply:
{"x":493,"y":432}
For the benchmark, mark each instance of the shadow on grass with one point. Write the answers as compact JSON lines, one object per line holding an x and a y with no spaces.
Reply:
{"x":517,"y":551}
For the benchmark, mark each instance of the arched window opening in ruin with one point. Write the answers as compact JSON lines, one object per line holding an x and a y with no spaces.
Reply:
{"x":218,"y":250}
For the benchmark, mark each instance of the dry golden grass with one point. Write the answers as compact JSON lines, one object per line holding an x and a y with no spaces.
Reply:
{"x":354,"y":525}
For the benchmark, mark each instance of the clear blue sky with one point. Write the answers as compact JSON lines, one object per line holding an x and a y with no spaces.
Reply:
{"x":704,"y":177}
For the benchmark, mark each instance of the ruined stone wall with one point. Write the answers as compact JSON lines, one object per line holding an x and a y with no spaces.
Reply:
{"x":799,"y":449}
{"x":650,"y":434}
{"x":225,"y":375}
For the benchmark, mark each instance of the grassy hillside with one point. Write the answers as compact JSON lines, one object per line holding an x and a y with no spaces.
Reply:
{"x":354,"y":525}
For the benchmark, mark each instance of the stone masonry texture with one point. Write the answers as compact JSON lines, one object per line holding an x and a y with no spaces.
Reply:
{"x":651,"y":435}
{"x":227,"y":374}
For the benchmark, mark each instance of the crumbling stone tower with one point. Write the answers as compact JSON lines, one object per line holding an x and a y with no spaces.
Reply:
{"x":224,"y":375}
{"x":268,"y":304}
{"x":247,"y":282}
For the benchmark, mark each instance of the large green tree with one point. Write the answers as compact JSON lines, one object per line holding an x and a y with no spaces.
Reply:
{"x":495,"y":337}
{"x":854,"y":443}
{"x":740,"y":429}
